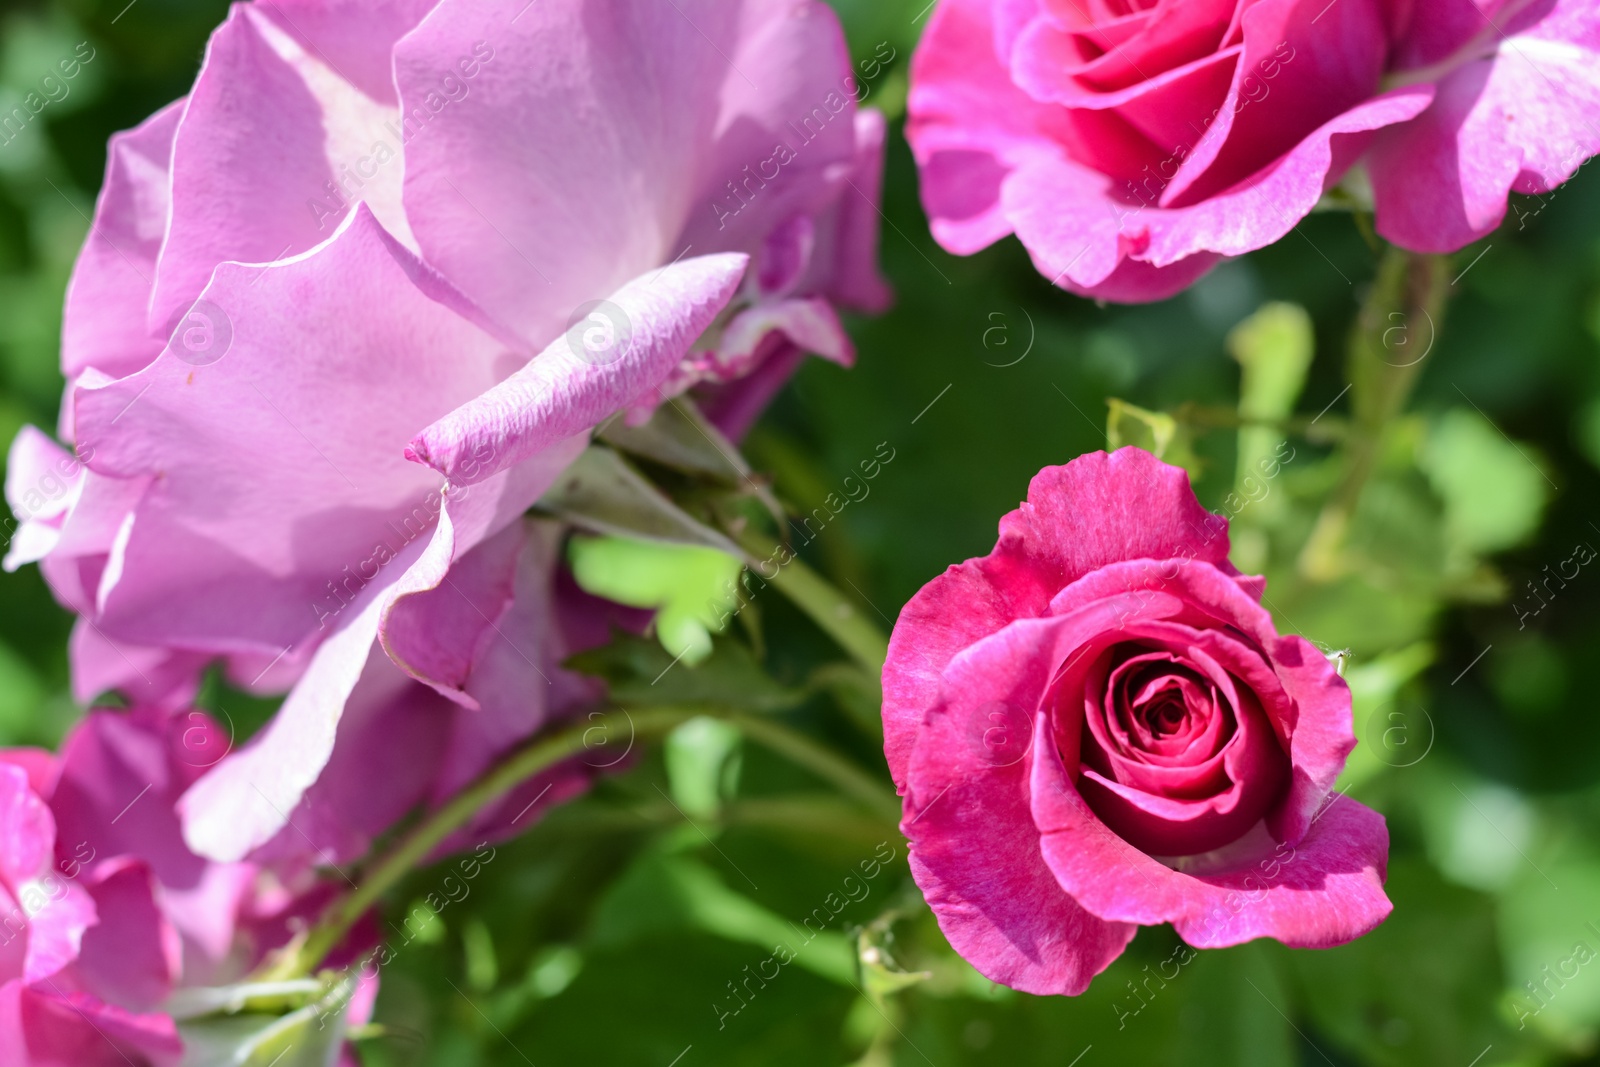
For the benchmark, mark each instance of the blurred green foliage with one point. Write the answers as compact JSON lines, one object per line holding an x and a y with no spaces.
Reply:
{"x":626,"y":927}
{"x":685,"y":584}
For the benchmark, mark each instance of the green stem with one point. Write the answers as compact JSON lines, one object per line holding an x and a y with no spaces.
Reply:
{"x":1396,"y":329}
{"x":811,"y":593}
{"x":1207,"y":417}
{"x":540,"y":755}
{"x":823,"y":762}
{"x":822,"y":816}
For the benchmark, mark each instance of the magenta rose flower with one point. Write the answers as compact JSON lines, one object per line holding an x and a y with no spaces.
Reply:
{"x":1096,"y":727}
{"x":350,"y":308}
{"x":108,"y":922}
{"x":71,"y":941}
{"x":1132,"y":145}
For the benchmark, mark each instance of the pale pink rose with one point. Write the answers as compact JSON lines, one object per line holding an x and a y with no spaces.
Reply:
{"x":1131,"y":146}
{"x":336,"y":329}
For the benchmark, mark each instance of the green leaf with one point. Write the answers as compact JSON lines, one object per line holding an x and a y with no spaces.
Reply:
{"x":477,"y":949}
{"x":1550,"y":930}
{"x":1274,"y":349}
{"x":857,"y":691}
{"x":679,"y":437}
{"x":20,"y":698}
{"x":1156,"y":432}
{"x":679,"y":996}
{"x":1391,"y":731}
{"x":1587,"y":431}
{"x":1478,"y":833}
{"x":194,"y":1002}
{"x":691,"y":588}
{"x":1494,"y":490}
{"x":639,"y":672}
{"x":1238,"y":1010}
{"x":703,"y":765}
{"x":881,"y":975}
{"x":1423,"y":989}
{"x":663,"y":893}
{"x":602,"y":493}
{"x":311,"y":1036}
{"x":423,"y":923}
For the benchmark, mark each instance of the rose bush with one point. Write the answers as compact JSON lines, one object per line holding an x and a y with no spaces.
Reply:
{"x":1131,"y":146}
{"x":1097,"y":727}
{"x":349,"y":308}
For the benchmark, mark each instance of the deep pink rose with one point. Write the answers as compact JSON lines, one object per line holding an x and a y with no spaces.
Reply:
{"x":59,"y":984}
{"x":107,"y":919}
{"x":1131,"y":144}
{"x":1096,"y":727}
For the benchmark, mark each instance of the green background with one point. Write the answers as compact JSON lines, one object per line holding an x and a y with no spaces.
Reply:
{"x":611,"y":932}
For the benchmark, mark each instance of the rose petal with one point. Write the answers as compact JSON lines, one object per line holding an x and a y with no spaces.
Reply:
{"x":975,"y":853}
{"x":283,"y":490}
{"x":27,"y":829}
{"x":121,"y":773}
{"x":1325,"y":890}
{"x":391,"y":737}
{"x":1312,"y":63}
{"x":845,"y":256}
{"x":1081,"y":227}
{"x":1521,"y":119}
{"x":355,"y":38}
{"x":969,"y":125}
{"x":153,"y":677}
{"x":132,"y":956}
{"x":517,"y":678}
{"x":435,"y":635}
{"x":109,"y":295}
{"x":1136,"y":47}
{"x":537,"y":194}
{"x":40,"y":1028}
{"x":246,"y":799}
{"x":1303,"y":696}
{"x":43,"y":481}
{"x":569,"y":388}
{"x":261,"y":95}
